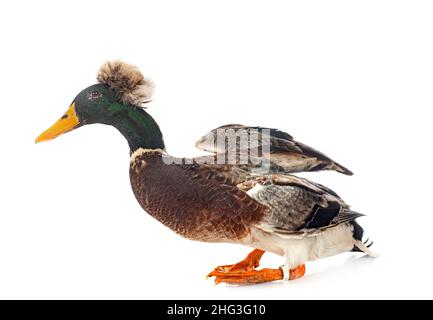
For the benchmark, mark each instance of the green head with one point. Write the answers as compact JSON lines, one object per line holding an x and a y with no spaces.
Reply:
{"x":117,"y":100}
{"x":98,"y":104}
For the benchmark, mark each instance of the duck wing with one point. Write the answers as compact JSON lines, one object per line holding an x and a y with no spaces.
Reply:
{"x":286,"y":154}
{"x":297,"y":208}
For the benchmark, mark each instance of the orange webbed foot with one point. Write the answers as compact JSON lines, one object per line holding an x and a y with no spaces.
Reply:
{"x":249,"y":263}
{"x":249,"y":277}
{"x":297,"y":273}
{"x":244,"y":272}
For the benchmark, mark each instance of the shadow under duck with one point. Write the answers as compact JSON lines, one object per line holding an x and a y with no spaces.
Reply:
{"x":236,"y":202}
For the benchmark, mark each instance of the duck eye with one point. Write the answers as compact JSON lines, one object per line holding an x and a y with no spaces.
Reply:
{"x":92,"y":95}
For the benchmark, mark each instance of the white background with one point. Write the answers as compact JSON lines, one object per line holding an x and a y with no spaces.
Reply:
{"x":353,"y":79}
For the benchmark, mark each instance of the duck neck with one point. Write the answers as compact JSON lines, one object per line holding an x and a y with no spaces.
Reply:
{"x":139,"y":129}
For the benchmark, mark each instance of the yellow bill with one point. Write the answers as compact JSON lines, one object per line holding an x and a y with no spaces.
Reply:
{"x":66,"y":123}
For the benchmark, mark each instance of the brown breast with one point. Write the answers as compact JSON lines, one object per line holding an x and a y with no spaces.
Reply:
{"x":193,"y":200}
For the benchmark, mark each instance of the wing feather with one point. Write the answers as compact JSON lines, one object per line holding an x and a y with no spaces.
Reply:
{"x":286,"y":154}
{"x":297,"y":207}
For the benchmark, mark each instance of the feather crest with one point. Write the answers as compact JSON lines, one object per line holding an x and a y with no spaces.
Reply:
{"x":127,"y":81}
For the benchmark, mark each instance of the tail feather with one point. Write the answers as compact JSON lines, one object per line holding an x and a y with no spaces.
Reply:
{"x":359,"y":245}
{"x":364,"y":247}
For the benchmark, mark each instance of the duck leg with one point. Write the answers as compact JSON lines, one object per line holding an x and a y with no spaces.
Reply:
{"x":249,"y":263}
{"x":244,"y":271}
{"x":245,"y":277}
{"x":257,"y":276}
{"x":297,"y":273}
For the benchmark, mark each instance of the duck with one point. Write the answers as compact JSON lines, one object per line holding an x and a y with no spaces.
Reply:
{"x":242,"y":192}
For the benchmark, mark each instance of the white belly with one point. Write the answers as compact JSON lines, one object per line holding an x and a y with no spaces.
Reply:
{"x":298,"y":251}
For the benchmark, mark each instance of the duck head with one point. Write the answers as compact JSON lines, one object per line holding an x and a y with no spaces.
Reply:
{"x":118,"y":100}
